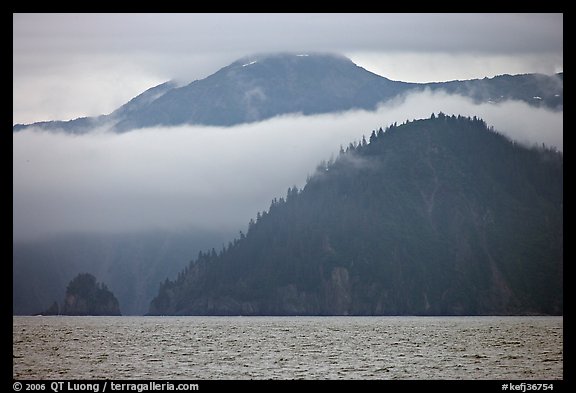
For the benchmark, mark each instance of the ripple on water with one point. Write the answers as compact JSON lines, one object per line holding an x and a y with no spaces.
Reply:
{"x":288,"y":347}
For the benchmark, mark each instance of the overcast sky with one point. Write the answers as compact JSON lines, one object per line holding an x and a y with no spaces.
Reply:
{"x":72,"y":65}
{"x":66,"y":66}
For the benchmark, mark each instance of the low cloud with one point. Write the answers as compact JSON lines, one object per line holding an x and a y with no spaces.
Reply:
{"x":515,"y":119}
{"x":422,"y":67}
{"x":210,"y":177}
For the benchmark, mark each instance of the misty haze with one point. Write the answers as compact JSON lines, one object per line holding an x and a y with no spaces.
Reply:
{"x":288,"y":196}
{"x":173,"y":178}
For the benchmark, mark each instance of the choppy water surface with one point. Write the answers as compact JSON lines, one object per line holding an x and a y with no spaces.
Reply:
{"x":288,"y":347}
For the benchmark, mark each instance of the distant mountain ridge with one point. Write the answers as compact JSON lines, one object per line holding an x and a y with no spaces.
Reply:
{"x":260,"y":87}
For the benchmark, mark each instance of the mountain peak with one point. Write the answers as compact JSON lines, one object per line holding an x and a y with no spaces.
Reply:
{"x":265,"y":85}
{"x":262,"y":86}
{"x":295,"y":65}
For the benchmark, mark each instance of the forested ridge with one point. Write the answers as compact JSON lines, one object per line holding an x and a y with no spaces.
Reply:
{"x":440,"y":216}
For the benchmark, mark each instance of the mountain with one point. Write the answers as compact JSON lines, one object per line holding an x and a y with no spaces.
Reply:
{"x":264,"y":86}
{"x":440,"y":216}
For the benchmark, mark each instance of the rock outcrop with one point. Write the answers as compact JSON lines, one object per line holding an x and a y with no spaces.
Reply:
{"x":84,"y":296}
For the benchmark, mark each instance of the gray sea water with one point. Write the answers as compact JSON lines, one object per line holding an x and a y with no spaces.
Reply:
{"x":288,"y":348}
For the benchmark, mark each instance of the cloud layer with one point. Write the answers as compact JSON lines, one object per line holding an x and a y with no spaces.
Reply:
{"x":209,"y":177}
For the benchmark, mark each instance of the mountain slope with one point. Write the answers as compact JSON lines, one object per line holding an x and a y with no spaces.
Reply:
{"x":434,"y":217}
{"x":260,"y":87}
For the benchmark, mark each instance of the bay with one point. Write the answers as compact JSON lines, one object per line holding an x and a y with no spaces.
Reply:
{"x":311,"y":348}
